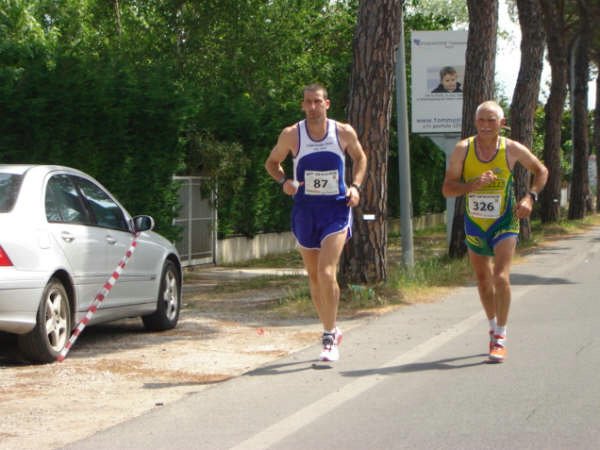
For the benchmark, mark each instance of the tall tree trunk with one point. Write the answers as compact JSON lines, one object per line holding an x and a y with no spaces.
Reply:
{"x":595,"y":57}
{"x":117,"y":16}
{"x":478,"y":87}
{"x":525,"y":95}
{"x":597,"y":140}
{"x":578,"y":202}
{"x":554,"y":25}
{"x":369,"y":112}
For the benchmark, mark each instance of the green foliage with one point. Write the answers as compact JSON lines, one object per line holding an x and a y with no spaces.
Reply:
{"x":83,"y":103}
{"x":256,"y":57}
{"x":165,"y":87}
{"x":437,"y":14}
{"x":430,"y":272}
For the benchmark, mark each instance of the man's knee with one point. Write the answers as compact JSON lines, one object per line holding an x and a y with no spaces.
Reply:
{"x":313,"y":276}
{"x":484,"y":276}
{"x":501,"y":280}
{"x":327,"y":274}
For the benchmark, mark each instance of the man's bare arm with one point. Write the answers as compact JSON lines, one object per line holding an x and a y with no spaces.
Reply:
{"x":279,"y":153}
{"x":349,"y":140}
{"x":286,"y":143}
{"x":356,"y":153}
{"x":529,"y":161}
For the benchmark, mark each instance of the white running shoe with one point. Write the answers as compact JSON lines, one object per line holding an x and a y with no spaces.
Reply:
{"x":338,"y":336}
{"x":330,"y":350}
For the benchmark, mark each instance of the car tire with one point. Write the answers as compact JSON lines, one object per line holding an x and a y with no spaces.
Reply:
{"x":168,"y":302}
{"x":53,"y":327}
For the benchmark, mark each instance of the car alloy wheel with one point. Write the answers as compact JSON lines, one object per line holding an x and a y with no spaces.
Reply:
{"x":53,"y":325}
{"x":168,"y":302}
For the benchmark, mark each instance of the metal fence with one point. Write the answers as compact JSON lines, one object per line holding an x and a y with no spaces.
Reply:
{"x":198,"y":221}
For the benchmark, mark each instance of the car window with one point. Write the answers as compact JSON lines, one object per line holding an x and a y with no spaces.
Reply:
{"x":106,"y":212}
{"x":10,"y":184}
{"x":63,"y":203}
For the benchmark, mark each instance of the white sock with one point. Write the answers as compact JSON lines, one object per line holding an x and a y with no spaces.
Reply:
{"x":492,"y":325}
{"x":501,"y":331}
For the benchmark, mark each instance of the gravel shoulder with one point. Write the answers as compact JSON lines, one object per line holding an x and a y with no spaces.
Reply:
{"x":118,"y":371}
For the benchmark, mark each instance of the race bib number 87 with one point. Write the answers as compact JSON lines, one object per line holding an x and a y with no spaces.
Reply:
{"x":321,"y":182}
{"x":484,"y":206}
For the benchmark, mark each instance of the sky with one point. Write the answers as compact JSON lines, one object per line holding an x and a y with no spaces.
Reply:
{"x":508,"y":58}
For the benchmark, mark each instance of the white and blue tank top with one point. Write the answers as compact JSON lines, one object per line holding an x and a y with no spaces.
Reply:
{"x":320,"y":165}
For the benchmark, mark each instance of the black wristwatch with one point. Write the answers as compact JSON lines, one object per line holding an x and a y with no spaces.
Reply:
{"x":356,"y":186}
{"x":534,"y":196}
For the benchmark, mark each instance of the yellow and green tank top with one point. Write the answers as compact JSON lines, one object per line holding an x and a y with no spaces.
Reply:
{"x":487,"y":205}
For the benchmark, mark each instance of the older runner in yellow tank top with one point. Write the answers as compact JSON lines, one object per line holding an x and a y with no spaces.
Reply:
{"x":489,"y":214}
{"x":478,"y":170}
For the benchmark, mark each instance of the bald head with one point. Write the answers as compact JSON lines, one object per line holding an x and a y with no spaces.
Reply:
{"x":490,"y":105}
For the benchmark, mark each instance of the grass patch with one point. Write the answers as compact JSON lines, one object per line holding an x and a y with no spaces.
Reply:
{"x":295,"y":303}
{"x":433,"y":272}
{"x":547,"y":232}
{"x":563,"y":228}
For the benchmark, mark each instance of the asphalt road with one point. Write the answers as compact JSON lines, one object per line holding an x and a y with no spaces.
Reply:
{"x":418,"y":378}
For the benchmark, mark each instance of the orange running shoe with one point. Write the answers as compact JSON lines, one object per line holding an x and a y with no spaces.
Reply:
{"x":498,"y":350}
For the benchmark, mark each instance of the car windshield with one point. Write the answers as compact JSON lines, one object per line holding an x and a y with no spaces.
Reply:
{"x":10,"y":184}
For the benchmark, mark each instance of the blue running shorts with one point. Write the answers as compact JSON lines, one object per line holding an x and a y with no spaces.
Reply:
{"x":311,"y":223}
{"x":483,"y":242}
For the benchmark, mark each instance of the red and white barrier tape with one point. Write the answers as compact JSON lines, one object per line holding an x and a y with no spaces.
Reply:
{"x":100,"y":296}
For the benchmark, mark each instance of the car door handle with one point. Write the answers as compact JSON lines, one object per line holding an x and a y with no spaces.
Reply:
{"x":67,"y":237}
{"x":111,"y":240}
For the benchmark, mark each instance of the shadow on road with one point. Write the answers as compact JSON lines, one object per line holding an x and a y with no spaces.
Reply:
{"x":290,"y":367}
{"x":527,"y":280}
{"x":442,"y":364}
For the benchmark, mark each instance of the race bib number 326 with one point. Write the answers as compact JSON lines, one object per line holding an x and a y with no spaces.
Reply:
{"x":484,"y":206}
{"x":321,"y":182}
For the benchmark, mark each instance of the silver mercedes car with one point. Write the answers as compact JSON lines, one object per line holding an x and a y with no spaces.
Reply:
{"x":62,"y":236}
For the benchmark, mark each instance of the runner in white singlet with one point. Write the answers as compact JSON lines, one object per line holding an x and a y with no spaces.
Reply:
{"x":322,"y":214}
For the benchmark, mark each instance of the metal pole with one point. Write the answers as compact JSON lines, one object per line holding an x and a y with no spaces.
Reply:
{"x":404,"y":156}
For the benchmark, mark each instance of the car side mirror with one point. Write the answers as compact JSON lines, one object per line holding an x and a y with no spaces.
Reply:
{"x":143,"y":223}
